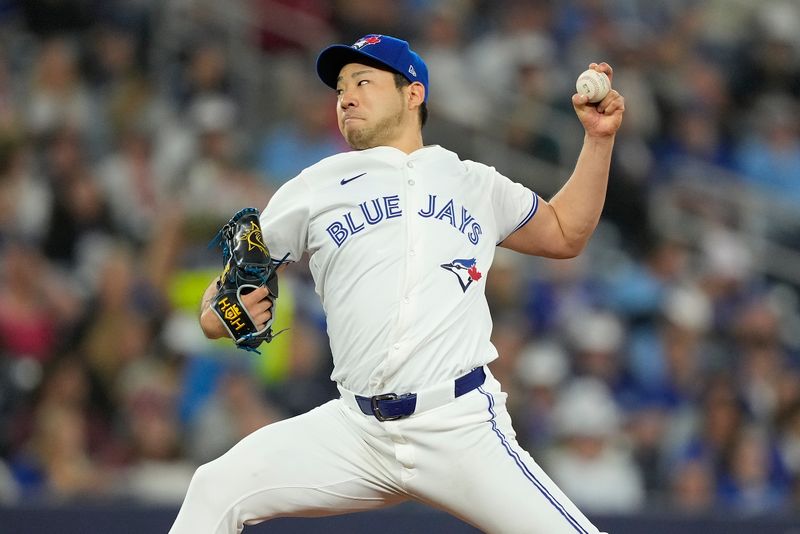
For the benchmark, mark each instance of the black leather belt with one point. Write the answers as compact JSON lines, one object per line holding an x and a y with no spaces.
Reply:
{"x":391,"y":406}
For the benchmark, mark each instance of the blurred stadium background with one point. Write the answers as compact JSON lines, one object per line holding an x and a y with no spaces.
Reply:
{"x":656,"y":377}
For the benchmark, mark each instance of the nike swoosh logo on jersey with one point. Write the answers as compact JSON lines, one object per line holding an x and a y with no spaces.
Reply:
{"x":344,"y":181}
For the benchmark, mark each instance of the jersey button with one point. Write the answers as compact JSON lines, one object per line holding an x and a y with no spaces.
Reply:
{"x":411,"y":182}
{"x":397,"y":346}
{"x":410,"y":164}
{"x":406,"y":299}
{"x":412,"y":252}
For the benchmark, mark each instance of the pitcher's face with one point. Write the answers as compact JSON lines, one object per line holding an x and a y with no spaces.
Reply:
{"x":371,"y":109}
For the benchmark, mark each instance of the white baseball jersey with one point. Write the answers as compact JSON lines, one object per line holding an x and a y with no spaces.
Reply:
{"x":399,"y":246}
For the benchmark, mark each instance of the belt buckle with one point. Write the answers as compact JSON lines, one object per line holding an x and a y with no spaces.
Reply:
{"x":376,"y":411}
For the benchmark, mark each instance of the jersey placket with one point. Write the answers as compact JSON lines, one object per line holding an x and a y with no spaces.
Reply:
{"x":403,"y":339}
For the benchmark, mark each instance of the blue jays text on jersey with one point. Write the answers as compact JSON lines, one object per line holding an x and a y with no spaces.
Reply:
{"x":399,"y":256}
{"x":373,"y":211}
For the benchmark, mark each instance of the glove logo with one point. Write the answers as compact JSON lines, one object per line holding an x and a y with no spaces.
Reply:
{"x":254,"y":239}
{"x":466,"y":271}
{"x":231,"y":313}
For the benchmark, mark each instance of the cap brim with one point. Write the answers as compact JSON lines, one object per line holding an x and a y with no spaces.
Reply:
{"x":332,"y":59}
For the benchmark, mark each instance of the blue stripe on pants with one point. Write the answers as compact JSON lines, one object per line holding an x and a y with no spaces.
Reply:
{"x":524,"y":468}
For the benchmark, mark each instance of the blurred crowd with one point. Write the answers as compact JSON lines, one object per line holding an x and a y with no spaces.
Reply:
{"x":654,"y":371}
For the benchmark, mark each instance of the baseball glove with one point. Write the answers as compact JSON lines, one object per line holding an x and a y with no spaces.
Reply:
{"x":248,"y":265}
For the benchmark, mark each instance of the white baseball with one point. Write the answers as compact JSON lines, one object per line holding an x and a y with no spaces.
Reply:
{"x":593,"y":84}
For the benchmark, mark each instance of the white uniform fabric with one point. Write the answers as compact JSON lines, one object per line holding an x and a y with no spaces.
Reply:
{"x":462,"y":458}
{"x":391,"y":251}
{"x":400,"y":245}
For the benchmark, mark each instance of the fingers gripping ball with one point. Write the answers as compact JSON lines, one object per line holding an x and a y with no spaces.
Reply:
{"x":248,"y":266}
{"x":593,"y":84}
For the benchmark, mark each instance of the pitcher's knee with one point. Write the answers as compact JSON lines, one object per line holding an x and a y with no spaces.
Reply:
{"x":206,"y":486}
{"x":207,"y":506}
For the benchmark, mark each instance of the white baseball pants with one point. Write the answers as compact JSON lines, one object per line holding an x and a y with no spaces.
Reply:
{"x":461,"y":457}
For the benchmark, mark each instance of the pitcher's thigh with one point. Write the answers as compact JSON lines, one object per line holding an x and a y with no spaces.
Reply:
{"x":309,"y":465}
{"x":481,"y":474}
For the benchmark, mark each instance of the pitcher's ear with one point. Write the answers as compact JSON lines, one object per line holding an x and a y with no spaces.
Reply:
{"x":417,"y":93}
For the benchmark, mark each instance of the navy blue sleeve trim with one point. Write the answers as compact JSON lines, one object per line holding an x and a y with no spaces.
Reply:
{"x":528,"y":217}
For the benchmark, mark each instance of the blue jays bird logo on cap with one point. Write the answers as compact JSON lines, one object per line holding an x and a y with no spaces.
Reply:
{"x":465,"y":270}
{"x":366,"y":40}
{"x":382,"y":50}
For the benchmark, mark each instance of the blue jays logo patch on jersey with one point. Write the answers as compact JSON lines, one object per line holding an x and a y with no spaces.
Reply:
{"x":465,"y":270}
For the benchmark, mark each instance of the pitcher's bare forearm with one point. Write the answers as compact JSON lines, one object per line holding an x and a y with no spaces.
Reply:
{"x":209,"y":322}
{"x":562,"y":227}
{"x":579,"y":203}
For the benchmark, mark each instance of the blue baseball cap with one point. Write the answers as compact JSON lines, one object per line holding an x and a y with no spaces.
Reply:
{"x":387,"y":51}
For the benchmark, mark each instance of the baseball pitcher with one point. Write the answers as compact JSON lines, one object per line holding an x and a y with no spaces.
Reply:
{"x":400,"y":237}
